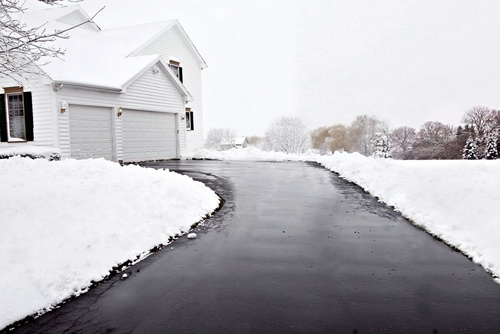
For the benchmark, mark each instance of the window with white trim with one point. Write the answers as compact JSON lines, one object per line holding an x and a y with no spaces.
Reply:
{"x":16,"y":115}
{"x":15,"y":119}
{"x":175,"y":66}
{"x":189,"y":120}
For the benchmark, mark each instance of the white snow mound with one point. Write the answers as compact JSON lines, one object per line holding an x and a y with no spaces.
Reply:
{"x":66,"y":223}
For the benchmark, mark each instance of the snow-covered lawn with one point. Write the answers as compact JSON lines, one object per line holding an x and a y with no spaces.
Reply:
{"x":66,"y":223}
{"x":455,"y":200}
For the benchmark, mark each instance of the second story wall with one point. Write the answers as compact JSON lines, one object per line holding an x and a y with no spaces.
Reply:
{"x":171,"y":45}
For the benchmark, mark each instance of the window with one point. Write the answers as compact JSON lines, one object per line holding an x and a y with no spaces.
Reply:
{"x":16,"y":115}
{"x":175,"y":66}
{"x":189,"y":119}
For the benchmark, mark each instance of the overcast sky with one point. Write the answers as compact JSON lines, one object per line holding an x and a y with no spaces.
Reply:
{"x":404,"y":62}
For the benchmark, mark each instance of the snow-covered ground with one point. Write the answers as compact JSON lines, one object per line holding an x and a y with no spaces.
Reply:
{"x":66,"y":223}
{"x":455,"y":200}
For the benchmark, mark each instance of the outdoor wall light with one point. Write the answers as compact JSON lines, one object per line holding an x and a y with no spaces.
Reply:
{"x":119,"y":112}
{"x":64,"y":106}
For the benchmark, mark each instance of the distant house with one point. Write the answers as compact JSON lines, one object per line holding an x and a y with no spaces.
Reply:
{"x":241,"y":142}
{"x":127,"y":94}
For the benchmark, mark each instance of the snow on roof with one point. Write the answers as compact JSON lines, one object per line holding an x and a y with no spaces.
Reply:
{"x":98,"y":58}
{"x":240,"y":140}
{"x":136,"y":37}
{"x":51,"y":13}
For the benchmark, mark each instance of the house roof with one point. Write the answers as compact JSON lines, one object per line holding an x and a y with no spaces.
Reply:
{"x":65,"y":14}
{"x":240,"y":140}
{"x":136,"y":38}
{"x":103,"y":59}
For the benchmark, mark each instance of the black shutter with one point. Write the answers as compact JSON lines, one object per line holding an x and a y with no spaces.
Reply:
{"x":28,"y":115}
{"x":180,"y":74}
{"x":191,"y":116}
{"x":3,"y":119}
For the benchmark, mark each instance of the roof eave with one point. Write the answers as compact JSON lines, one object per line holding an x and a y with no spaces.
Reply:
{"x":69,"y":84}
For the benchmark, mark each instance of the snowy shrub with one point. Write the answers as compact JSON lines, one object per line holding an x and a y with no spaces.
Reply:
{"x":29,"y":152}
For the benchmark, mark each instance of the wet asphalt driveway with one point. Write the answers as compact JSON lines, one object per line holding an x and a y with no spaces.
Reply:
{"x":295,"y":249}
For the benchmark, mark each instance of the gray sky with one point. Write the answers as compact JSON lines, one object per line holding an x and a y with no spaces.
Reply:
{"x":405,"y":62}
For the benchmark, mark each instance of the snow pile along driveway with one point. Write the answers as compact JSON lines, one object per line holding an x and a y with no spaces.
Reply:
{"x":455,"y":200}
{"x":66,"y":223}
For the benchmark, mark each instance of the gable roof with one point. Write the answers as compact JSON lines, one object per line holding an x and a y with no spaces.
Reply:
{"x":102,"y":59}
{"x":138,"y":37}
{"x":71,"y":15}
{"x":240,"y":140}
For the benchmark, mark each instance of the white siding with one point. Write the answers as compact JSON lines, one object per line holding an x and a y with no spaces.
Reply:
{"x":44,"y":110}
{"x":171,"y":44}
{"x":150,"y":92}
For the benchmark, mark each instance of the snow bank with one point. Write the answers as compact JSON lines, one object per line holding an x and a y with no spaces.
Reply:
{"x":455,"y":200}
{"x":248,"y":154}
{"x":30,"y":151}
{"x":66,"y":223}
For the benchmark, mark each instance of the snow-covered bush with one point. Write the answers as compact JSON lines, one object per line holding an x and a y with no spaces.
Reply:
{"x":33,"y":152}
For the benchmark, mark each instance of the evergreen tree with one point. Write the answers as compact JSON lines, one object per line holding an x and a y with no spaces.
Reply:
{"x":470,"y":151}
{"x":491,"y":152}
{"x":381,"y":146}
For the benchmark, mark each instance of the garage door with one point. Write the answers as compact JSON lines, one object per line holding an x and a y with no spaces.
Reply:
{"x":149,"y":135}
{"x":90,"y":132}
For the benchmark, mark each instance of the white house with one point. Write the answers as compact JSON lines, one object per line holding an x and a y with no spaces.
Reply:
{"x":127,"y":94}
{"x":241,"y":142}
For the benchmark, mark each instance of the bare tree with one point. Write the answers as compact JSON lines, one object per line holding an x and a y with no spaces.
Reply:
{"x":483,"y":119}
{"x":254,"y":141}
{"x":432,"y":140}
{"x":403,"y":139}
{"x":22,"y":48}
{"x":361,"y":133}
{"x":330,"y":139}
{"x":287,"y":134}
{"x":318,"y":139}
{"x":337,"y":138}
{"x":217,"y":137}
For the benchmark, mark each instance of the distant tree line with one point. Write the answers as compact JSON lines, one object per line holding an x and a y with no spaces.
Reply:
{"x":477,"y":138}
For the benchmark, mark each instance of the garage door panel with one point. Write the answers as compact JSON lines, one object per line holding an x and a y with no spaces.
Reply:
{"x":149,"y":135}
{"x":90,"y":132}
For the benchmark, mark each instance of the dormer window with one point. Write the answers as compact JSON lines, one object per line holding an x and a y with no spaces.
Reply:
{"x":175,"y":66}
